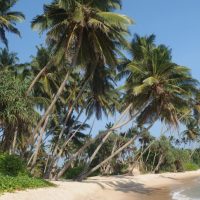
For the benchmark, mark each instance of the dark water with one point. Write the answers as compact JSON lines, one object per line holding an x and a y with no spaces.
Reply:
{"x":189,"y":191}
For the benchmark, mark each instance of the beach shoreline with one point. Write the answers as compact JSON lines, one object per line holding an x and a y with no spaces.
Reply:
{"x":141,"y":187}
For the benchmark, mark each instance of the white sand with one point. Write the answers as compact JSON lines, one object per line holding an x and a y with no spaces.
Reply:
{"x":105,"y":188}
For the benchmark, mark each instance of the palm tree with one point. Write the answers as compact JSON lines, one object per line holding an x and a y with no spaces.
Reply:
{"x":81,"y":34}
{"x":8,"y":19}
{"x":87,"y":24}
{"x":162,"y":88}
{"x":8,"y":60}
{"x":192,"y":131}
{"x":156,"y":86}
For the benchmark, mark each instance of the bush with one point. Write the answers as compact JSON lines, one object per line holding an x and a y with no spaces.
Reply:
{"x":190,"y":166}
{"x":10,"y":183}
{"x":11,"y":165}
{"x":74,"y":172}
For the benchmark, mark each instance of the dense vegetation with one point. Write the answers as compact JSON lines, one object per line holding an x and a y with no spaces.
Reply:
{"x":46,"y":104}
{"x":14,"y":175}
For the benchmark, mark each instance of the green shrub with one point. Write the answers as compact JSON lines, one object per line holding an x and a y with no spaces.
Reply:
{"x":10,"y":183}
{"x":14,"y":176}
{"x":11,"y":165}
{"x":73,"y":172}
{"x":190,"y":166}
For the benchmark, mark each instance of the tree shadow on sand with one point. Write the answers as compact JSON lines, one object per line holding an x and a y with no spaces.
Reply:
{"x":126,"y":185}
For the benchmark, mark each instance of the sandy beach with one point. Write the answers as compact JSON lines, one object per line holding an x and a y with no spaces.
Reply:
{"x":141,"y":187}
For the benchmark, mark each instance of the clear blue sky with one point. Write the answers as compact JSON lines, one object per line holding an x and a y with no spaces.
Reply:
{"x":174,"y":22}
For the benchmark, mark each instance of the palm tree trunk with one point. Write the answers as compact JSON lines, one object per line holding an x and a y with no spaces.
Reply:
{"x":109,"y":158}
{"x":48,"y":111}
{"x":37,"y":146}
{"x":104,"y":140}
{"x":69,"y":114}
{"x":147,"y":158}
{"x":159,"y":163}
{"x":12,"y":150}
{"x":56,"y":159}
{"x":55,"y":154}
{"x":193,"y":151}
{"x":154,"y":159}
{"x":38,"y":77}
{"x":60,"y":90}
{"x":81,"y":150}
{"x":142,"y":153}
{"x":46,"y":164}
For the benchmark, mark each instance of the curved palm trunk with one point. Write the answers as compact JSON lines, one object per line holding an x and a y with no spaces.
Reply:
{"x":141,"y":155}
{"x":154,"y":160}
{"x":38,"y":77}
{"x":38,"y":145}
{"x":81,"y":150}
{"x":60,"y":90}
{"x":104,"y":139}
{"x":159,"y":163}
{"x":147,"y":158}
{"x":48,"y":171}
{"x":48,"y":111}
{"x":109,"y":158}
{"x":69,"y":114}
{"x":56,"y":159}
{"x":12,"y":150}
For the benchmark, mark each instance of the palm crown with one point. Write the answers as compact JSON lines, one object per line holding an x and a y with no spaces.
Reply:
{"x":158,"y":87}
{"x":8,"y":19}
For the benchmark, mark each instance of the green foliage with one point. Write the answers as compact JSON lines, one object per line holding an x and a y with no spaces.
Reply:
{"x":119,"y":168}
{"x":9,"y":183}
{"x":73,"y":172}
{"x":8,"y":19}
{"x":11,"y":165}
{"x":14,"y":176}
{"x":196,"y":157}
{"x":189,"y":166}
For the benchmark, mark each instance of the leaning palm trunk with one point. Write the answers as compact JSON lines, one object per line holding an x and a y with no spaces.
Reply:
{"x":69,"y":114}
{"x":38,"y":77}
{"x":82,"y":149}
{"x":56,"y":159}
{"x":60,"y":90}
{"x":154,"y":160}
{"x":37,"y":146}
{"x":51,"y":165}
{"x":105,"y":138}
{"x":52,"y":104}
{"x":12,"y":150}
{"x":109,"y":158}
{"x":141,"y":155}
{"x":108,"y":165}
{"x":160,"y":161}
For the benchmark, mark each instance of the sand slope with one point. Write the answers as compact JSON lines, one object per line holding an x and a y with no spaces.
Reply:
{"x":105,"y":188}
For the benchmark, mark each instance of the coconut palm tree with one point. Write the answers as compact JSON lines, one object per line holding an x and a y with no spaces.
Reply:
{"x":8,"y":60}
{"x":157,"y":87}
{"x":192,"y":131}
{"x":83,"y":36}
{"x":162,"y":88}
{"x":95,"y":35}
{"x":8,"y":19}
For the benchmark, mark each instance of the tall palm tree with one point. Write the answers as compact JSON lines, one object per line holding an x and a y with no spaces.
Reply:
{"x":157,"y":87}
{"x":192,"y":131}
{"x":8,"y":60}
{"x":82,"y":35}
{"x":160,"y":87}
{"x":87,"y":24}
{"x":8,"y":19}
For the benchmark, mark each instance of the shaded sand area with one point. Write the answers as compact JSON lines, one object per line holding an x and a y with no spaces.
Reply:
{"x":142,"y":187}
